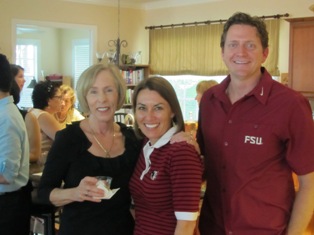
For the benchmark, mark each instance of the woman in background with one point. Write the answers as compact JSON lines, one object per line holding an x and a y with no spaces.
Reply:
{"x":18,"y":74}
{"x":166,"y":182}
{"x":203,"y":86}
{"x":31,"y":123}
{"x":46,"y":99}
{"x":68,"y":113}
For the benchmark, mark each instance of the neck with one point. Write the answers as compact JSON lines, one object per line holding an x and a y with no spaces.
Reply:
{"x":4,"y":94}
{"x":239,"y":88}
{"x":61,"y":116}
{"x":103,"y":128}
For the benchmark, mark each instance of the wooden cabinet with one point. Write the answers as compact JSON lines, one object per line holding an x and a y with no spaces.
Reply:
{"x":132,"y":74}
{"x":301,"y":56}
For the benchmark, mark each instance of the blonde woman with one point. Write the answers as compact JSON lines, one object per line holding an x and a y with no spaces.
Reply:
{"x":203,"y":86}
{"x":68,"y":113}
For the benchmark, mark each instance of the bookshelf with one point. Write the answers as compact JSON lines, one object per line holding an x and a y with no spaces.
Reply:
{"x":132,"y":75}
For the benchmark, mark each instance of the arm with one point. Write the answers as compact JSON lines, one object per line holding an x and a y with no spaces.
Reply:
{"x":49,"y":125}
{"x":33,"y":132}
{"x":303,"y":205}
{"x":185,"y":227}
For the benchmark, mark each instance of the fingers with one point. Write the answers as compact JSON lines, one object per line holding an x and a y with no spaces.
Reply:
{"x":87,"y":189}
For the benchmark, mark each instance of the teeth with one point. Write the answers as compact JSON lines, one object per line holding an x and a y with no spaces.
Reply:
{"x":151,"y":125}
{"x":240,"y":62}
{"x":102,"y":109}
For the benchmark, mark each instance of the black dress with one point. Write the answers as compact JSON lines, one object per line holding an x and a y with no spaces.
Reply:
{"x":69,"y":161}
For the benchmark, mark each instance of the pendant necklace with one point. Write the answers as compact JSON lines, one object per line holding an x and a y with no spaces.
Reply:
{"x":107,"y":152}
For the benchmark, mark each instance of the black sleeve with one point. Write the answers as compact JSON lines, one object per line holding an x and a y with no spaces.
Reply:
{"x":63,"y":151}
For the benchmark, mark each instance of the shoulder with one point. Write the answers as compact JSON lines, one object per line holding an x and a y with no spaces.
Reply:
{"x":181,"y":150}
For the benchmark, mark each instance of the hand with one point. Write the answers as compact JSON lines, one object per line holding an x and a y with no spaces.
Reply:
{"x":87,"y":190}
{"x":187,"y":137}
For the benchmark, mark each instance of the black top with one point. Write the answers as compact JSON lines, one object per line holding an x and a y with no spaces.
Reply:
{"x":69,"y":161}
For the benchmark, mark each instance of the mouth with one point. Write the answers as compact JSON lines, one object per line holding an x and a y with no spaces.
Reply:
{"x":240,"y":62}
{"x":151,"y":126}
{"x":102,"y":109}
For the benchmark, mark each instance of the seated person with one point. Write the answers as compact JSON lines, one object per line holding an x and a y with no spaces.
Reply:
{"x":68,"y":113}
{"x":46,"y":99}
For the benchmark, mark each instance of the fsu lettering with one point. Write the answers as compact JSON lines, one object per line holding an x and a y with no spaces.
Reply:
{"x":253,"y":140}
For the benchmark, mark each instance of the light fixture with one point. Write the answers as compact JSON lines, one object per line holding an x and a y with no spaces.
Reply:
{"x":117,"y":43}
{"x":99,"y":56}
{"x":312,"y":7}
{"x":32,"y":84}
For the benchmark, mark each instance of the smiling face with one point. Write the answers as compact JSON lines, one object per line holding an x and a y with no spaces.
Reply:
{"x":153,"y":114}
{"x":243,"y":53}
{"x":102,"y":97}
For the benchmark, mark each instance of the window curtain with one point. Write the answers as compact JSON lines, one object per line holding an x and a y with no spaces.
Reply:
{"x":196,"y":50}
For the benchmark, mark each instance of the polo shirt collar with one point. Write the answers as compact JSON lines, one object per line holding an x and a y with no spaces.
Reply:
{"x":261,"y":91}
{"x":148,"y":148}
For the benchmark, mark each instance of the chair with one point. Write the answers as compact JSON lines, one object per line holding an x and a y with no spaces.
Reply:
{"x":44,"y":212}
{"x":119,"y":117}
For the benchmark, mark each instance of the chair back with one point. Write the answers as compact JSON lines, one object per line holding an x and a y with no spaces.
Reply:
{"x":119,"y":117}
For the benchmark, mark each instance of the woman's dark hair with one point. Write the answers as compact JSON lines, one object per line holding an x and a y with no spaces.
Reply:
{"x":15,"y":69}
{"x":164,"y":88}
{"x":245,"y":19}
{"x":42,"y":93}
{"x":15,"y":91}
{"x":5,"y":74}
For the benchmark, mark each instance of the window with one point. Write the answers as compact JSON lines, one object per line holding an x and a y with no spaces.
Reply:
{"x":81,"y":58}
{"x":185,"y":87}
{"x":27,"y":51}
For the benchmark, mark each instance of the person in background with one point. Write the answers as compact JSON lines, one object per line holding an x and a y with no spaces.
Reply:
{"x":46,"y":99}
{"x":203,"y":86}
{"x":166,"y":183}
{"x":68,"y":113}
{"x":18,"y":74}
{"x":15,"y":188}
{"x":253,"y":132}
{"x":32,"y":126}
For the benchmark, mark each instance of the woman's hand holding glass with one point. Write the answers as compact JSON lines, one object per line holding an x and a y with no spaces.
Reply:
{"x":88,"y":190}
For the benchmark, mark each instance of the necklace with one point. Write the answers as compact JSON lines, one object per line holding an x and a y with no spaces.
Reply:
{"x":107,"y":152}
{"x":60,"y":120}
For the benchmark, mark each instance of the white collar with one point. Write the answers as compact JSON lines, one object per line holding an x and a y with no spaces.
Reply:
{"x":148,"y":148}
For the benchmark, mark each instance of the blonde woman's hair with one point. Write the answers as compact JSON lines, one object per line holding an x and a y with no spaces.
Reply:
{"x":87,"y":79}
{"x":204,"y":85}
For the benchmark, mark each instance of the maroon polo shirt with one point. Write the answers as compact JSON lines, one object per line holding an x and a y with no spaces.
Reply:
{"x":250,"y":148}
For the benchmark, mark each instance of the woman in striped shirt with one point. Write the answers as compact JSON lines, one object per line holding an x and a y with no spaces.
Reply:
{"x":165,"y":185}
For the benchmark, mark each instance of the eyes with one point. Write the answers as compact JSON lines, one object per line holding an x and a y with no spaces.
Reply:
{"x":247,"y":45}
{"x":142,"y":107}
{"x":95,"y":91}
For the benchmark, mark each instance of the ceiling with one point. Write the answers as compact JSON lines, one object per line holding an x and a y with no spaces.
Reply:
{"x":145,"y":4}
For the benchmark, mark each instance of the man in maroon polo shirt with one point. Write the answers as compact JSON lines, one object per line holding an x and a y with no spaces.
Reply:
{"x":254,"y":132}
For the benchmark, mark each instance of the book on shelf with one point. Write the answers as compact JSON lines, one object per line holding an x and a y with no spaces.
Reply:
{"x":128,"y":96}
{"x":133,"y":77}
